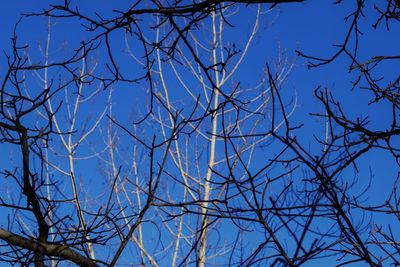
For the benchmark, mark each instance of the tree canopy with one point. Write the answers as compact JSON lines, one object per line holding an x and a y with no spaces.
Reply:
{"x":180,"y":133}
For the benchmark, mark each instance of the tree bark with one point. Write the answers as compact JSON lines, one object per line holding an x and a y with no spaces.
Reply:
{"x":56,"y":250}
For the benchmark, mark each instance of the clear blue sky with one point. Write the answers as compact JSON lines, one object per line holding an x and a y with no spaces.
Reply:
{"x":311,"y":27}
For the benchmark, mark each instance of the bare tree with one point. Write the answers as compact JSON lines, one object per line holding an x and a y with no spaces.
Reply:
{"x":143,"y":145}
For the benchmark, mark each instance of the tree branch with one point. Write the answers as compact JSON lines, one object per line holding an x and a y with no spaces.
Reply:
{"x":56,"y":250}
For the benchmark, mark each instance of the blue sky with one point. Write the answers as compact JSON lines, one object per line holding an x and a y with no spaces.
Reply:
{"x":312,"y":28}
